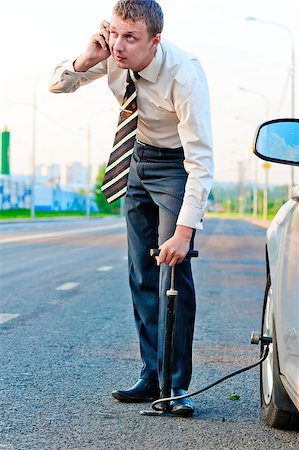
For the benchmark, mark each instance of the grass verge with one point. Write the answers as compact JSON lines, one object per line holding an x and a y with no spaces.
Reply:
{"x":25,"y":214}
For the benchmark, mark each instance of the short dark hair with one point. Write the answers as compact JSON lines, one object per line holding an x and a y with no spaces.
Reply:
{"x":148,"y":10}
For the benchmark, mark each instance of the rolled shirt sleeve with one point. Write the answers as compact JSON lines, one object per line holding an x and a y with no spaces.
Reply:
{"x":66,"y":80}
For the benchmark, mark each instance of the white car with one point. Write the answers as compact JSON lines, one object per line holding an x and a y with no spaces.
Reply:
{"x":278,"y":141}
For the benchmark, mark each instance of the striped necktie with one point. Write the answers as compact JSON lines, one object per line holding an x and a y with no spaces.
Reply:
{"x":116,"y":176}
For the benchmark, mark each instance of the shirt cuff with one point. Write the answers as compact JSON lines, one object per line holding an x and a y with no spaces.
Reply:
{"x":64,"y":71}
{"x":191,"y":217}
{"x":68,"y":67}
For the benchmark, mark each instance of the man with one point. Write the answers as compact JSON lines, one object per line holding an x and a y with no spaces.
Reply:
{"x":169,"y":180}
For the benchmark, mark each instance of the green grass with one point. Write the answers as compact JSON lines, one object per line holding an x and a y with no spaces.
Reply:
{"x":25,"y":214}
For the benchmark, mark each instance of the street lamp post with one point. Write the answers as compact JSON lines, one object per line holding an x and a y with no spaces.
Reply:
{"x":293,"y":68}
{"x":255,"y":169}
{"x":266,"y":167}
{"x":88,"y":174}
{"x":33,"y":148}
{"x":241,"y":188}
{"x":33,"y":156}
{"x":255,"y":181}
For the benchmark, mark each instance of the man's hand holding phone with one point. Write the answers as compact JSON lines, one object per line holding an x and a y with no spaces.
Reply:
{"x":96,"y":51}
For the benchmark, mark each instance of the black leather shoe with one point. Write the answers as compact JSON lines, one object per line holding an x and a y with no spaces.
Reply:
{"x":143,"y":391}
{"x":183,"y":407}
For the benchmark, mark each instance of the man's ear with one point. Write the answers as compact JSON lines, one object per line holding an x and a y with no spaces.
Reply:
{"x":156,"y":41}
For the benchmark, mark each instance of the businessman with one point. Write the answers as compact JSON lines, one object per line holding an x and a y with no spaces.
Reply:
{"x":162,"y":161}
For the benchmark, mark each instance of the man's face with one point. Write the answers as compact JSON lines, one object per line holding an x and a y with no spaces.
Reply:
{"x":130,"y":44}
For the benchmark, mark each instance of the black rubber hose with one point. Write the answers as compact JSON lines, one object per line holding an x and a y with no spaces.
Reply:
{"x":221,"y":380}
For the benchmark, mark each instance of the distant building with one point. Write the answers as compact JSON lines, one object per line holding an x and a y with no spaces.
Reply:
{"x":76,"y":175}
{"x":48,"y":175}
{"x":15,"y":193}
{"x":54,"y":174}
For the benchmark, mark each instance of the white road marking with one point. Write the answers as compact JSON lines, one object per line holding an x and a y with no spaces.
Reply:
{"x":104,"y":268}
{"x":125,"y":258}
{"x":67,"y":286}
{"x":61,"y":233}
{"x":5,"y":317}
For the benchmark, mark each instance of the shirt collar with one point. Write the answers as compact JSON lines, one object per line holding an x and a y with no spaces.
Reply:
{"x":151,"y":71}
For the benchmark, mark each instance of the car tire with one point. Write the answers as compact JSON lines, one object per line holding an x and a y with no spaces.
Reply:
{"x":278,"y":410}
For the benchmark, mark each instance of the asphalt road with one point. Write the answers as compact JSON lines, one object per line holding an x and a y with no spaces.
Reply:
{"x":67,"y":339}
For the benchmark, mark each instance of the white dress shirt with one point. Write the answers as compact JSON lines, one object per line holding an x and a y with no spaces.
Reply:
{"x":173,"y":111}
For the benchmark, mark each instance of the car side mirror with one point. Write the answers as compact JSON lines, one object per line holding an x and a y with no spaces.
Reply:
{"x":278,"y":141}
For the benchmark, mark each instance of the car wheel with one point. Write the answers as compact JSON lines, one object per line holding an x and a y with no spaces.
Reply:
{"x":277,"y":408}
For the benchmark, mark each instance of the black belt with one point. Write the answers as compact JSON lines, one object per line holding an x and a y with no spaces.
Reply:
{"x":142,"y":150}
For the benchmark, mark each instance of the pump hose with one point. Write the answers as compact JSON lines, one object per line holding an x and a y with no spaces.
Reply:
{"x":221,"y":380}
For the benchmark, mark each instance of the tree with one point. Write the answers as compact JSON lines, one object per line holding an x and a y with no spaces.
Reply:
{"x":103,"y":205}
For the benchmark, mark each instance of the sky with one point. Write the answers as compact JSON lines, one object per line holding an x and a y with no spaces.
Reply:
{"x":247,"y":64}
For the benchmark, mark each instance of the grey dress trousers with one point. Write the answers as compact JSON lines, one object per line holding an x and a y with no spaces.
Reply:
{"x":155,"y":191}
